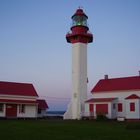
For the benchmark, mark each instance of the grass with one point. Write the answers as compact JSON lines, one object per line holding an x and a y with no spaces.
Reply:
{"x":68,"y":130}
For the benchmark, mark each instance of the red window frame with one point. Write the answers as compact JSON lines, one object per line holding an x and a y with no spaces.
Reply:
{"x":91,"y":107}
{"x":1,"y":107}
{"x":132,"y":107}
{"x":120,"y":109}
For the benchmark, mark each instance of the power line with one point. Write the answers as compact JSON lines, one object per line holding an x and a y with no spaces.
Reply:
{"x":55,"y":98}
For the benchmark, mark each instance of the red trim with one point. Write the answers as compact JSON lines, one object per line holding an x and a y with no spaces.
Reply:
{"x":18,"y":101}
{"x":133,"y":96}
{"x":79,"y":37}
{"x":100,"y":100}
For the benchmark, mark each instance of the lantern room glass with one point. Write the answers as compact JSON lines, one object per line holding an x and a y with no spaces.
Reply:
{"x":79,"y":20}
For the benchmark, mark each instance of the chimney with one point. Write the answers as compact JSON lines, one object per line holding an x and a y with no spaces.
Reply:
{"x":106,"y":77}
{"x":139,"y":73}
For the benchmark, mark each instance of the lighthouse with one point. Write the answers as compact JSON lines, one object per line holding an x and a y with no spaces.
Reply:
{"x":79,"y":37}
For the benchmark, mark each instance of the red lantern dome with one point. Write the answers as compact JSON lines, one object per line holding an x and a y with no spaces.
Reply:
{"x":79,"y":30}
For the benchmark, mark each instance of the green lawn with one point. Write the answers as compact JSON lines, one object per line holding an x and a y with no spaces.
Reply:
{"x":68,"y":130}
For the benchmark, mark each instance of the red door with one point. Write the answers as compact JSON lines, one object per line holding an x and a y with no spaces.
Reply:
{"x":91,"y":109}
{"x":102,"y":108}
{"x":11,"y":110}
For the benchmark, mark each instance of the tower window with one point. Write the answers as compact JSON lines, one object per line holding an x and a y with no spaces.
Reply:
{"x":79,"y":20}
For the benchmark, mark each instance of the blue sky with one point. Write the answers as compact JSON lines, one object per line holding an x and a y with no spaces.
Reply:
{"x":33,"y":47}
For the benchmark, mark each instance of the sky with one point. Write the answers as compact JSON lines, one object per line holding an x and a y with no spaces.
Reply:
{"x":33,"y":47}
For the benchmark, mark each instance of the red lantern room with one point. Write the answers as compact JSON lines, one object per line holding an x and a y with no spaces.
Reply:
{"x":79,"y":30}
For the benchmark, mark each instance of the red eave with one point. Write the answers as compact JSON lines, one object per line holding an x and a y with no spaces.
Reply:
{"x":42,"y":104}
{"x":84,"y":38}
{"x":133,"y":96}
{"x":17,"y":101}
{"x":100,"y":100}
{"x":117,"y":84}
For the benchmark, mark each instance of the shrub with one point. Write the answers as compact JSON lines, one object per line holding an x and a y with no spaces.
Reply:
{"x":101,"y":117}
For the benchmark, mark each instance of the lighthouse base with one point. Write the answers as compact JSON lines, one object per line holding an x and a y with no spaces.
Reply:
{"x":73,"y":113}
{"x":68,"y":113}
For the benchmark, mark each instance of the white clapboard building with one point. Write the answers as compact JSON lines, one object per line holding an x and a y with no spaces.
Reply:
{"x":19,"y":100}
{"x":117,"y":98}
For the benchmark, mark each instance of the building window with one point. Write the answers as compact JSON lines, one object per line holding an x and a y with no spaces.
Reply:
{"x":119,"y":107}
{"x":114,"y":106}
{"x":132,"y":107}
{"x":1,"y":107}
{"x":21,"y":108}
{"x":39,"y":111}
{"x":91,"y":107}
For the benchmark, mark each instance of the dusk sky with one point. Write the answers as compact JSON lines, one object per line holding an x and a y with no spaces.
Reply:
{"x":33,"y":48}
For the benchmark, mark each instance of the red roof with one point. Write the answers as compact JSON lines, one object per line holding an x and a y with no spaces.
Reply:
{"x":42,"y":104}
{"x":18,"y":101}
{"x":21,"y":89}
{"x":101,"y":100}
{"x":79,"y":12}
{"x":133,"y":96}
{"x":117,"y":84}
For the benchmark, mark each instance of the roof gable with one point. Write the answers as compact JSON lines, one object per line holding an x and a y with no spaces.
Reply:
{"x":100,"y":100}
{"x":20,"y":89}
{"x":42,"y":104}
{"x":117,"y":84}
{"x":133,"y":96}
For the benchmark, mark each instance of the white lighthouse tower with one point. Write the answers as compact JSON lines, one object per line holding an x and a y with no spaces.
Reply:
{"x":79,"y":36}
